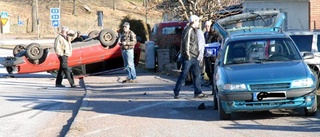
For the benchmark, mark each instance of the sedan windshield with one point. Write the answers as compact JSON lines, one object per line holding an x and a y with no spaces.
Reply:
{"x":263,"y":50}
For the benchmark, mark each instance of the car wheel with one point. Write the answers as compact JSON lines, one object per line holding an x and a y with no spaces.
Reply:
{"x":107,"y":37}
{"x":9,"y":70}
{"x":316,"y":73}
{"x":93,"y":34}
{"x":18,"y":48}
{"x":313,"y":110}
{"x":223,"y":115}
{"x":215,"y":102}
{"x":34,"y":51}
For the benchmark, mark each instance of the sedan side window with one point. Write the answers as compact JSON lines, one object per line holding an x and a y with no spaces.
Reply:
{"x":304,"y":42}
{"x":318,"y":42}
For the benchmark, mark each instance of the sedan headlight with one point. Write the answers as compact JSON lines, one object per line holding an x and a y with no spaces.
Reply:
{"x":308,"y":82}
{"x":234,"y":87}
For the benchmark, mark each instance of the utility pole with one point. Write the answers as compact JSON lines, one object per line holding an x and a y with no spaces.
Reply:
{"x":38,"y":21}
{"x":59,"y":27}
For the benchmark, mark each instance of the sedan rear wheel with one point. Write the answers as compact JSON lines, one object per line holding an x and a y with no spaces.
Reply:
{"x":18,"y":48}
{"x":107,"y":37}
{"x":34,"y":51}
{"x":93,"y":34}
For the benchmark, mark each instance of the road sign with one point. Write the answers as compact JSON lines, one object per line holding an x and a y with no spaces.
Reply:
{"x":55,"y":23}
{"x":54,"y":10}
{"x":4,"y":21}
{"x":55,"y":13}
{"x":20,"y":23}
{"x":4,"y":14}
{"x":55,"y":17}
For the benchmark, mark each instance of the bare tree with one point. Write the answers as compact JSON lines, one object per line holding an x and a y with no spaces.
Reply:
{"x":205,"y":9}
{"x":34,"y":16}
{"x":74,"y":12}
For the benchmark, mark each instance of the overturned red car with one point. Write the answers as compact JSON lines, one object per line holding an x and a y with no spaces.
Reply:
{"x":99,"y":52}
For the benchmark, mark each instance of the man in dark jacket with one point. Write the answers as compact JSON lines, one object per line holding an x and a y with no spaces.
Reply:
{"x":127,"y":42}
{"x":189,"y":54}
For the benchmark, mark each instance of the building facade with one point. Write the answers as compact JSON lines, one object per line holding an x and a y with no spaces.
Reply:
{"x":300,"y":14}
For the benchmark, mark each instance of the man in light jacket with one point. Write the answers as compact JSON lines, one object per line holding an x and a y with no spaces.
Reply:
{"x":63,"y":49}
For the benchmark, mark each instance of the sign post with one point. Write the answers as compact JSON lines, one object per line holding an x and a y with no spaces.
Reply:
{"x":55,"y":17}
{"x":4,"y":18}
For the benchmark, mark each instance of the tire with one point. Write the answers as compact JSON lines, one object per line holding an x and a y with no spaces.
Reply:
{"x":316,"y":74}
{"x":223,"y":115}
{"x":93,"y":34}
{"x":215,"y":102}
{"x":9,"y":70}
{"x":107,"y":37}
{"x":18,"y":48}
{"x":34,"y":51}
{"x":313,"y":110}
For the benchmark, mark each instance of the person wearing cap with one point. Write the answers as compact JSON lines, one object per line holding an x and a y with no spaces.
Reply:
{"x":78,"y":37}
{"x":63,"y":49}
{"x":210,"y":37}
{"x":189,"y":54}
{"x":127,"y":41}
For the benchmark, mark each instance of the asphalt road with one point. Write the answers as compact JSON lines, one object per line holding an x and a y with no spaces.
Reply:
{"x":103,"y":106}
{"x":31,"y":105}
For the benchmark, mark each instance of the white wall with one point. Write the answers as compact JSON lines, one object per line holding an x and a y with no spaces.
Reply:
{"x":296,"y":11}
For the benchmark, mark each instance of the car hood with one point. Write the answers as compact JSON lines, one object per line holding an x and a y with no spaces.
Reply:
{"x":266,"y":72}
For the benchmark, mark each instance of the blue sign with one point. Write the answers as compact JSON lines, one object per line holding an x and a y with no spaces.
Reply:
{"x":20,"y":23}
{"x":54,"y":13}
{"x":55,"y":17}
{"x":4,"y":14}
{"x":55,"y":23}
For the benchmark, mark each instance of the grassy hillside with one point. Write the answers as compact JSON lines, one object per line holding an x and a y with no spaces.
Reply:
{"x":85,"y":20}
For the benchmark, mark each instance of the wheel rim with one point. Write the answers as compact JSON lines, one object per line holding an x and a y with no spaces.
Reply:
{"x":18,"y":49}
{"x":108,"y":37}
{"x":35,"y":51}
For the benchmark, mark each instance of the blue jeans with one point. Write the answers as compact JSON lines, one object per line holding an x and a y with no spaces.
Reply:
{"x":194,"y":67}
{"x":128,"y":61}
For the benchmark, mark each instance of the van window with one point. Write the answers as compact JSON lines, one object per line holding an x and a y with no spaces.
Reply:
{"x":154,"y":30}
{"x":171,"y":30}
{"x":304,"y":42}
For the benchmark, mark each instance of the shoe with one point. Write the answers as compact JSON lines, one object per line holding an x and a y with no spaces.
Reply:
{"x":126,"y":81}
{"x":133,"y":81}
{"x":73,"y":86}
{"x":60,"y":85}
{"x":176,"y":97}
{"x":201,"y":95}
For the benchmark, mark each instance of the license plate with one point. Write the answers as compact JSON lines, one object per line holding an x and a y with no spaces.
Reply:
{"x":275,"y":95}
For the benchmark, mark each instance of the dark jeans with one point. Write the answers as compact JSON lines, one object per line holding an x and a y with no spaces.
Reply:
{"x":209,"y":67}
{"x":194,"y":67}
{"x":64,"y":70}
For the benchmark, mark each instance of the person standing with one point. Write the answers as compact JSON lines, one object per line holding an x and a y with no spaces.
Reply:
{"x":201,"y":46}
{"x":210,"y":37}
{"x":127,"y":42}
{"x":63,"y":49}
{"x":189,"y":54}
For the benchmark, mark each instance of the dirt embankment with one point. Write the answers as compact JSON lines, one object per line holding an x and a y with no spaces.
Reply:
{"x":85,"y":19}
